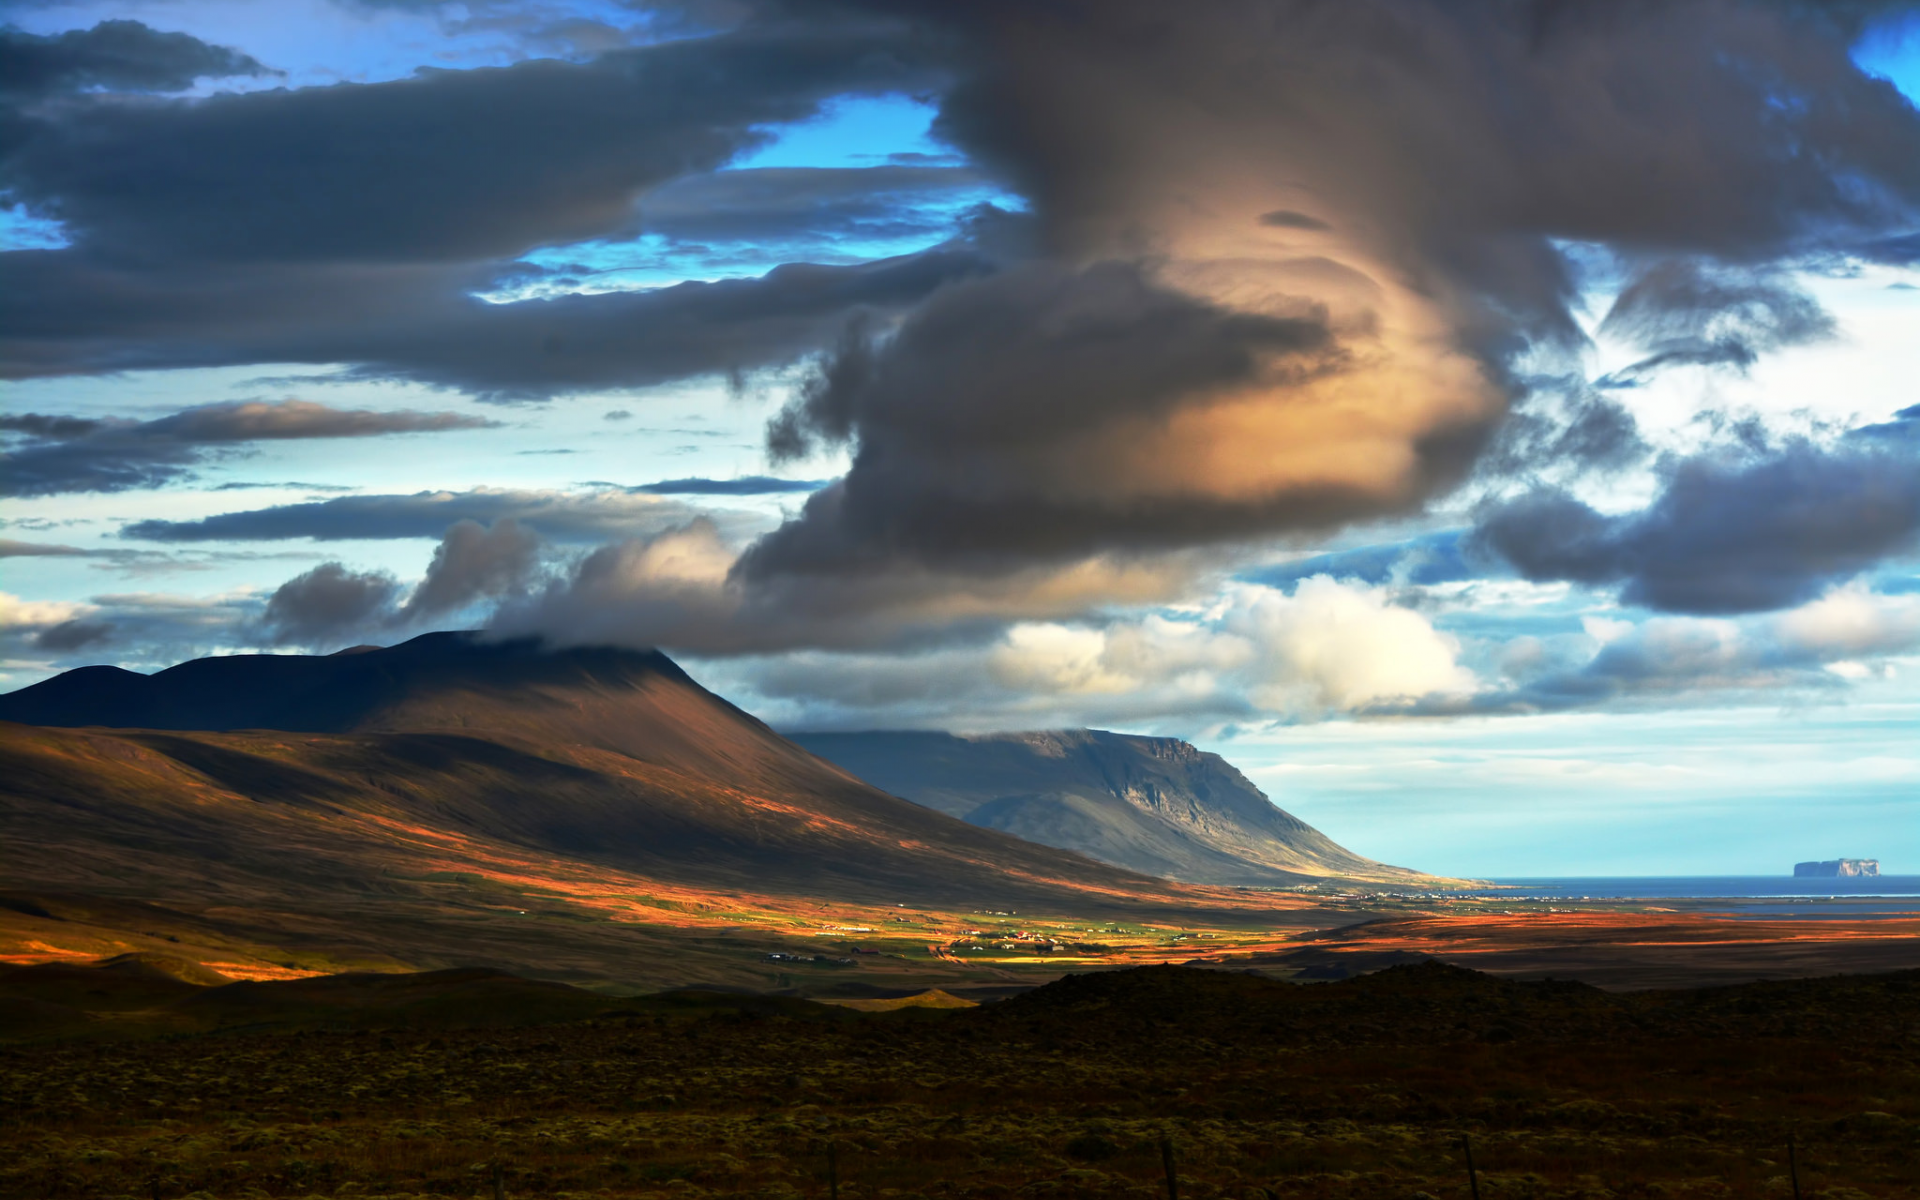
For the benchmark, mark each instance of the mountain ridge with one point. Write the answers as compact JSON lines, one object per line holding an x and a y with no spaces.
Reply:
{"x":588,"y":813}
{"x":1157,"y":805}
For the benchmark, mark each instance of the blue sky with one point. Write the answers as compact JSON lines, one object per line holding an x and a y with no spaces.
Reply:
{"x":1891,"y":50}
{"x":1434,"y":669}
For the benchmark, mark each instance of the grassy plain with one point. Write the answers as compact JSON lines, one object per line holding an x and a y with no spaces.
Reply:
{"x":1361,"y":1088}
{"x":625,"y":936}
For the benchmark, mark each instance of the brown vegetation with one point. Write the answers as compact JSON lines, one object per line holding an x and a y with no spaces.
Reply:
{"x":1609,"y":946}
{"x":1356,"y":1089}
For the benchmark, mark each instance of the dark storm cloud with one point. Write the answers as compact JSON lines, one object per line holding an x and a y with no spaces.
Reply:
{"x":1686,"y":314}
{"x":115,"y":56}
{"x":1904,"y":428}
{"x":69,"y":636}
{"x":352,"y":224}
{"x":1901,"y":251}
{"x":566,"y":516}
{"x":333,"y":605}
{"x":1480,"y":125}
{"x":61,"y":312}
{"x":980,"y":405}
{"x":747,"y":485}
{"x":1725,"y":537}
{"x":12,"y":548}
{"x":557,"y":27}
{"x":1136,"y":136}
{"x":68,"y":454}
{"x":1176,"y":370}
{"x":444,"y":166}
{"x":1286,"y":218}
{"x":327,"y":606}
{"x":778,"y":204}
{"x":474,"y":563}
{"x":44,"y":425}
{"x":1564,"y":423}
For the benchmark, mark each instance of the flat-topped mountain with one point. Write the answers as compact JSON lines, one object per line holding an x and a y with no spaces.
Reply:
{"x":1155,"y":805}
{"x":1836,"y":868}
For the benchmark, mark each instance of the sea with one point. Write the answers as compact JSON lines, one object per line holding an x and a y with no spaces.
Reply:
{"x":1776,"y":896}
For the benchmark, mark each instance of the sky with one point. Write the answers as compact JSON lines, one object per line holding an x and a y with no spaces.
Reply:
{"x":1492,"y":426}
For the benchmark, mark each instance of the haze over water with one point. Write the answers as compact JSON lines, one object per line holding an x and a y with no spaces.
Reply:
{"x":1784,"y":894}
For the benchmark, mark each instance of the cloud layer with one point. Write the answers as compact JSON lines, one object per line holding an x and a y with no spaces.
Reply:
{"x":567,"y":516}
{"x":353,"y":224}
{"x":1260,"y":271}
{"x":1279,"y":273}
{"x":1723,"y":536}
{"x":113,"y":56}
{"x":51,"y":455}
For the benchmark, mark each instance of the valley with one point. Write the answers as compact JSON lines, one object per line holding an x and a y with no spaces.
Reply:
{"x":595,"y":817}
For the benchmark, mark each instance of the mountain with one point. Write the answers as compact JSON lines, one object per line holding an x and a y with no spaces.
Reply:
{"x":453,"y":801}
{"x":609,"y":755}
{"x":1155,"y":805}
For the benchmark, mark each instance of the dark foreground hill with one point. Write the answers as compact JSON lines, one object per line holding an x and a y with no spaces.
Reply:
{"x":1155,"y":805}
{"x":393,"y":805}
{"x":1358,"y":1089}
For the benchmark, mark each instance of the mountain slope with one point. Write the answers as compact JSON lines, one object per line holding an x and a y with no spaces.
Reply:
{"x":440,"y":784}
{"x":1155,"y":805}
{"x":608,"y":755}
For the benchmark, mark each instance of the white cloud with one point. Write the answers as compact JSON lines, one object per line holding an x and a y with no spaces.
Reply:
{"x":18,"y":615}
{"x":1842,"y":638}
{"x":1325,"y":649}
{"x":1605,"y":629}
{"x":1334,"y":646}
{"x":1050,"y":658}
{"x":1852,"y":622}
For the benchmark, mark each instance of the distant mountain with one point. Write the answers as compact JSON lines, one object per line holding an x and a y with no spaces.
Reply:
{"x":1155,"y":805}
{"x":1837,"y":867}
{"x":432,"y":783}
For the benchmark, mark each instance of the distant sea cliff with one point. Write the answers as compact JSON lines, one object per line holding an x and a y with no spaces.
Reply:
{"x":1837,"y":867}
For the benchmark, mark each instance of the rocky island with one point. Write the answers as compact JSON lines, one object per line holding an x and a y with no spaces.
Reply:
{"x":1837,"y":867}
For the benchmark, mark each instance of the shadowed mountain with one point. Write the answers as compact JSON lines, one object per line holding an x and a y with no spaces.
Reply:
{"x":362,"y":787}
{"x":1155,"y":805}
{"x":634,"y":702}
